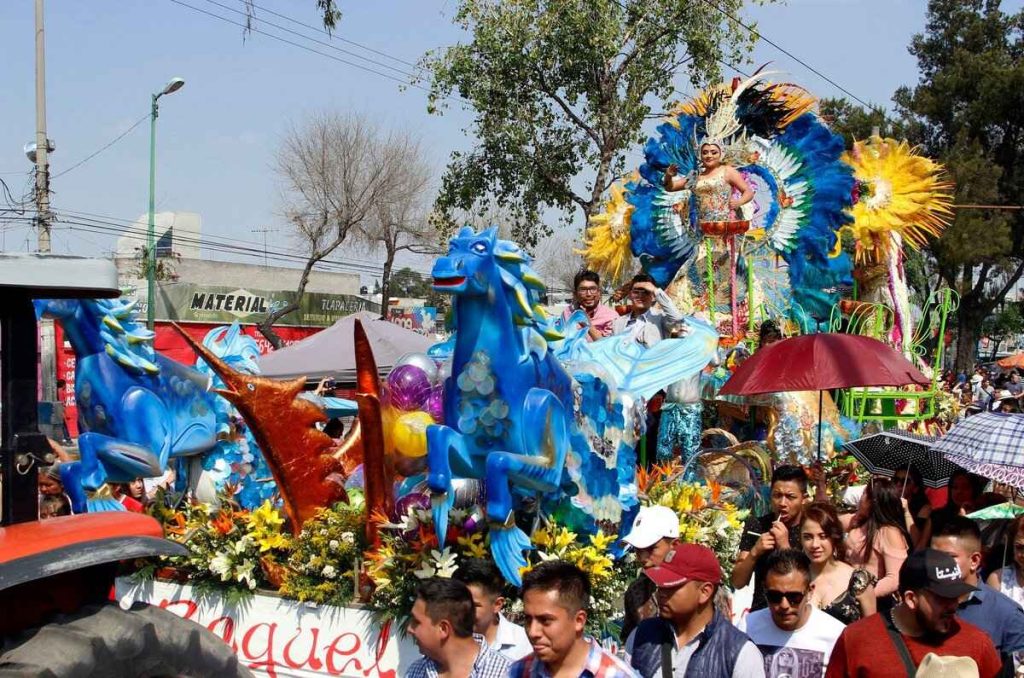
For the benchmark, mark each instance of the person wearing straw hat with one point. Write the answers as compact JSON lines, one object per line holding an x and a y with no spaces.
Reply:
{"x":895,"y":643}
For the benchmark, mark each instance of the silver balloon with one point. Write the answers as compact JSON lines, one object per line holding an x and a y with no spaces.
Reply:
{"x":422,"y":361}
{"x":468,"y":491}
{"x":444,"y":371}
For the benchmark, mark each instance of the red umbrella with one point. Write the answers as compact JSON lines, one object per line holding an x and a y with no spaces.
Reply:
{"x":822,"y":362}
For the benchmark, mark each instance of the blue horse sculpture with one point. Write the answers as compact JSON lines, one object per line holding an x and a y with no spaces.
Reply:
{"x":137,"y":409}
{"x":515,"y":416}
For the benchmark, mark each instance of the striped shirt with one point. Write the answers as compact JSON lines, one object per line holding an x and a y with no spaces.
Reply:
{"x":488,"y":664}
{"x":600,"y":664}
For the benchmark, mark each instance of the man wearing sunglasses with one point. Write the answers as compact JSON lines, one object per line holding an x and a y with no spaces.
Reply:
{"x":795,"y":638}
{"x":690,"y":637}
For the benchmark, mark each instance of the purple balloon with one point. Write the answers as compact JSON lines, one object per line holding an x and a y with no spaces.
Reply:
{"x":413,"y":500}
{"x":435,"y":403}
{"x":409,"y":386}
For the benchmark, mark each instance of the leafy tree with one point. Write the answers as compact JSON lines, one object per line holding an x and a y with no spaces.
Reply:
{"x":1003,"y":325}
{"x":966,"y":111}
{"x":853,"y":122}
{"x":561,"y":88}
{"x":409,"y":283}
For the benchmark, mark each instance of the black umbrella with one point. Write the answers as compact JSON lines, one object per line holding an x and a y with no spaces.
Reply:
{"x":889,"y":451}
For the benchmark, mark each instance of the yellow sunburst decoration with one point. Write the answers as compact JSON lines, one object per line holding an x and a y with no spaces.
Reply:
{"x":900,"y":192}
{"x":606,"y":247}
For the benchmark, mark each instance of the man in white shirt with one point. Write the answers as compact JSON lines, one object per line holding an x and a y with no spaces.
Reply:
{"x":485,"y":583}
{"x":795,"y":637}
{"x":642,"y":323}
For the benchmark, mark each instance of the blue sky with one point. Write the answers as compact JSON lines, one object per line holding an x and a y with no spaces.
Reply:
{"x":216,"y":136}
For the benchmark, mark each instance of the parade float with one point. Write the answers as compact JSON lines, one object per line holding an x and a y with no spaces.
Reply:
{"x":517,"y":440}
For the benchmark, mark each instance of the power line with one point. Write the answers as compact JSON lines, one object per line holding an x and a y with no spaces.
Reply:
{"x":332,"y":36}
{"x":319,"y":42}
{"x":753,"y":31}
{"x":214,"y":244}
{"x":405,"y":83}
{"x":113,"y":141}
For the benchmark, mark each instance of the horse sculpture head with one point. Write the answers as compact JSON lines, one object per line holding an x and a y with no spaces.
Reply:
{"x":481,"y":265}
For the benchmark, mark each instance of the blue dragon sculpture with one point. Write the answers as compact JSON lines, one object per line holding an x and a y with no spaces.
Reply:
{"x":137,"y":409}
{"x":515,"y":416}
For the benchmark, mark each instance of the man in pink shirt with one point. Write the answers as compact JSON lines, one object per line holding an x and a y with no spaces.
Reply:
{"x":587,"y":296}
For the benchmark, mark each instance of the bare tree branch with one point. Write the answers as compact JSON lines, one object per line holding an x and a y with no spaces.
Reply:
{"x":333,"y":171}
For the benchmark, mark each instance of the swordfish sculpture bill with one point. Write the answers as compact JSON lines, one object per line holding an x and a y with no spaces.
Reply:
{"x":543,"y":435}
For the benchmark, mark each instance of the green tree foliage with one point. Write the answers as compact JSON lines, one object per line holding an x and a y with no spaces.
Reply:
{"x":561,"y":89}
{"x":1005,"y":324}
{"x":966,"y":111}
{"x":852,"y":122}
{"x":408,"y":283}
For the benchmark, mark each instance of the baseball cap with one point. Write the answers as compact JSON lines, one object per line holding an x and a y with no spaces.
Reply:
{"x":651,"y":524}
{"x":933,"y":571}
{"x":686,"y":562}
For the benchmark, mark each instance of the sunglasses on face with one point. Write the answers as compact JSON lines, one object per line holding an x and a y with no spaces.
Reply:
{"x":775,"y":597}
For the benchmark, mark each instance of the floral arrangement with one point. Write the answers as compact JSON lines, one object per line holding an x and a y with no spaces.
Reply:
{"x":705,"y":516}
{"x":325,"y":559}
{"x":410,"y":552}
{"x":230,"y":549}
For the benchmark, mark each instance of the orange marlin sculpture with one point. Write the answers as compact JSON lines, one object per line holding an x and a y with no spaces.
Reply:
{"x":309,"y":470}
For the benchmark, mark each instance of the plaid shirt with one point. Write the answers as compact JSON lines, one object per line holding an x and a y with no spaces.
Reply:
{"x":488,"y":664}
{"x":600,"y":664}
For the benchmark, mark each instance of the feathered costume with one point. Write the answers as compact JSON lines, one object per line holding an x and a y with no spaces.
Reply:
{"x":802,"y":190}
{"x":902,"y":198}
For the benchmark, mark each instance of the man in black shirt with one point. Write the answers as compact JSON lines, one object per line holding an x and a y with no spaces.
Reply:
{"x":779,"y":529}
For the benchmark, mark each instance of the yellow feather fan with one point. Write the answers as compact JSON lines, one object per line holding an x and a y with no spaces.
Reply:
{"x":900,"y":192}
{"x":606,"y":247}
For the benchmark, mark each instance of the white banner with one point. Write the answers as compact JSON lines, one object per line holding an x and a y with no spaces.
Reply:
{"x":283,"y":638}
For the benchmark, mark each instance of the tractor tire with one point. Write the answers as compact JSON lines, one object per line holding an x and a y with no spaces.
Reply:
{"x":105,"y":640}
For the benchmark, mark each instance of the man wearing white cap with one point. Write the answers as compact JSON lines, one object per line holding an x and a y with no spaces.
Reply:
{"x":655,"y":530}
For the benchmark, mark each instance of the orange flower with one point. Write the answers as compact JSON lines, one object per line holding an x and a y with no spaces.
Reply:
{"x":223,"y":522}
{"x":716,"y":490}
{"x":378,"y":517}
{"x":176,"y":525}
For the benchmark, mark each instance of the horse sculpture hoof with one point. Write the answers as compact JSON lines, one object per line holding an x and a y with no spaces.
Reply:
{"x":440,"y":504}
{"x":507,"y":546}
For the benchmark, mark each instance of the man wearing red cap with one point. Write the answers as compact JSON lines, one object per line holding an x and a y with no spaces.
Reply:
{"x":690,"y":634}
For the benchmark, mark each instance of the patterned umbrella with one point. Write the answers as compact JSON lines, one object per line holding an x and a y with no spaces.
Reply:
{"x":990,"y":444}
{"x":889,"y":451}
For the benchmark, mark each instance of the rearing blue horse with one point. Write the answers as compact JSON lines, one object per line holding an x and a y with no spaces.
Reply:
{"x":517,"y":419}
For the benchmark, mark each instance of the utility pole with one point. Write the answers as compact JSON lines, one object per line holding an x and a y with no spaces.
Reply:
{"x":42,"y":143}
{"x":264,"y":231}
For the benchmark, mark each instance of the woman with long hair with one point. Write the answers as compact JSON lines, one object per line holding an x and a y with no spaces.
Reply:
{"x":1009,"y":580}
{"x":837,"y":588}
{"x":877,"y":538}
{"x":916,"y":502}
{"x":963,"y":491}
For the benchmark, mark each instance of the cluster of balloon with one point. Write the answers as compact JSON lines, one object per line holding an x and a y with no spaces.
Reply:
{"x":413,"y":400}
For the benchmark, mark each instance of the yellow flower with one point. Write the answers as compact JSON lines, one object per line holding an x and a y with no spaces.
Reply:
{"x":541,"y":537}
{"x":564,"y":539}
{"x":601,"y":541}
{"x":265,"y":520}
{"x":272,"y":541}
{"x":473,"y":545}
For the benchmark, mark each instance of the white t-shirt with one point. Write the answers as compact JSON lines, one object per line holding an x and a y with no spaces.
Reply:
{"x":802,"y":653}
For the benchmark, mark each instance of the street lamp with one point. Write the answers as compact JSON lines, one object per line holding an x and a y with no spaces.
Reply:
{"x":172,"y":86}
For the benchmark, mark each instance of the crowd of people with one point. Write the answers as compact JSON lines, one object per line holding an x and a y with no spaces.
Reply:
{"x":890,"y":588}
{"x":988,"y":389}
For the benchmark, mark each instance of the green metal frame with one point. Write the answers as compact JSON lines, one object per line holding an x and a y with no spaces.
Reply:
{"x":869,"y":404}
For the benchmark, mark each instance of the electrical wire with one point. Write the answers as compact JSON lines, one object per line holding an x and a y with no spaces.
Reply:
{"x":404,"y":83}
{"x":92,"y":155}
{"x":333,"y":37}
{"x":317,"y":41}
